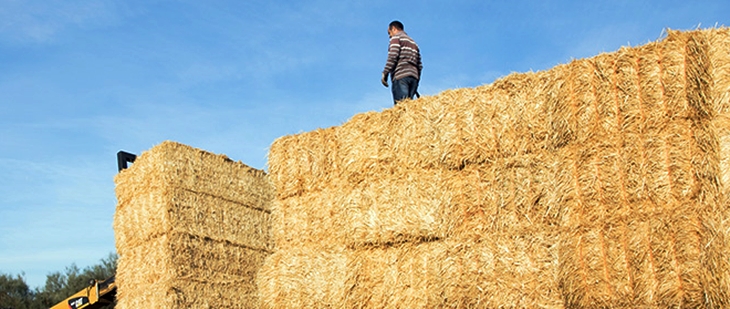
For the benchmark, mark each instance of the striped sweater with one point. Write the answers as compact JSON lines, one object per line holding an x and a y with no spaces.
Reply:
{"x":404,"y":57}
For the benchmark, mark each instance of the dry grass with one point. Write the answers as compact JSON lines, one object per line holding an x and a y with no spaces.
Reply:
{"x":513,"y":271}
{"x":192,"y":230}
{"x":601,"y":182}
{"x":163,"y":211}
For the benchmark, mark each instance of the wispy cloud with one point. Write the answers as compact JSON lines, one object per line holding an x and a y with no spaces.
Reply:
{"x":39,"y":21}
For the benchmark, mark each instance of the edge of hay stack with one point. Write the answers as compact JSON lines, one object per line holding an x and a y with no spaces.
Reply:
{"x":192,"y":229}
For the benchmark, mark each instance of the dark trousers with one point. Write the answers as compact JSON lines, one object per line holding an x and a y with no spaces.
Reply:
{"x":403,"y":88}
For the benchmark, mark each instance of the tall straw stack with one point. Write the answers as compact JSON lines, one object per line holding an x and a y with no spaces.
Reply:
{"x":598,"y":183}
{"x":640,"y":226}
{"x":192,"y":230}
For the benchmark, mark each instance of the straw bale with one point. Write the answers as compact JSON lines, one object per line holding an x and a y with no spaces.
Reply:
{"x":673,"y":76}
{"x":710,"y":132}
{"x":183,"y":256}
{"x":157,"y":211}
{"x":187,"y":293}
{"x":523,"y":127}
{"x":520,"y":121}
{"x":719,"y":51}
{"x":641,"y":136}
{"x":404,"y":205}
{"x":404,"y":276}
{"x":443,"y":130}
{"x":178,"y":165}
{"x":462,"y":124}
{"x":605,"y":121}
{"x":705,"y":130}
{"x":305,"y":277}
{"x":641,"y":262}
{"x":699,"y":81}
{"x":472,"y":126}
{"x":314,"y":218}
{"x":188,"y":271}
{"x":653,"y":110}
{"x":719,"y":57}
{"x":557,"y":99}
{"x":304,"y":162}
{"x":581,"y":101}
{"x":400,"y":205}
{"x":365,"y":142}
{"x":384,"y":208}
{"x":508,"y":271}
{"x":509,"y":194}
{"x":421,"y":128}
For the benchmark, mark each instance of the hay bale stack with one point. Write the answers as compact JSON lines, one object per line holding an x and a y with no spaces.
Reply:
{"x":601,"y":182}
{"x":460,"y":235}
{"x":384,"y":196}
{"x":480,"y":236}
{"x":643,"y":218}
{"x":192,"y":229}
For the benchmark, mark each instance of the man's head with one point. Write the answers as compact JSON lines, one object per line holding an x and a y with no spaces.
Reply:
{"x":394,"y":27}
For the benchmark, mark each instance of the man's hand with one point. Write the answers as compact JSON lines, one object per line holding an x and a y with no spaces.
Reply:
{"x":384,"y":80}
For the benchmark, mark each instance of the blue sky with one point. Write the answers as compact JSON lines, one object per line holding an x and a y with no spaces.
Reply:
{"x":81,"y":80}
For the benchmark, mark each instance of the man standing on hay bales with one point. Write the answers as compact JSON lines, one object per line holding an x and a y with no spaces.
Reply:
{"x":404,"y":63}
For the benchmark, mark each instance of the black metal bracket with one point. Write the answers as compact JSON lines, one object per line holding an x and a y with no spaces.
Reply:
{"x":123,"y":158}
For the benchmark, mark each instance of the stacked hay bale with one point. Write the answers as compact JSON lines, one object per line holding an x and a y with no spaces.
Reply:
{"x":192,"y":229}
{"x":645,"y":214}
{"x":602,"y":182}
{"x":370,"y":215}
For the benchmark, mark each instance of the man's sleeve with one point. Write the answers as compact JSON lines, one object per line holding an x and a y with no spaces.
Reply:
{"x":393,"y":53}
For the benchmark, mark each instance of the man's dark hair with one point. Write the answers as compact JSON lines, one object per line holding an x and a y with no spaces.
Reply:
{"x":396,"y":24}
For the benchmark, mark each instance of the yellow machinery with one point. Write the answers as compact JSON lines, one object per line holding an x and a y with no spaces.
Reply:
{"x":97,"y":295}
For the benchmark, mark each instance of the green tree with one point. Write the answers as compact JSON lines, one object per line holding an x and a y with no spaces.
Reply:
{"x":61,"y":285}
{"x":14,"y":292}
